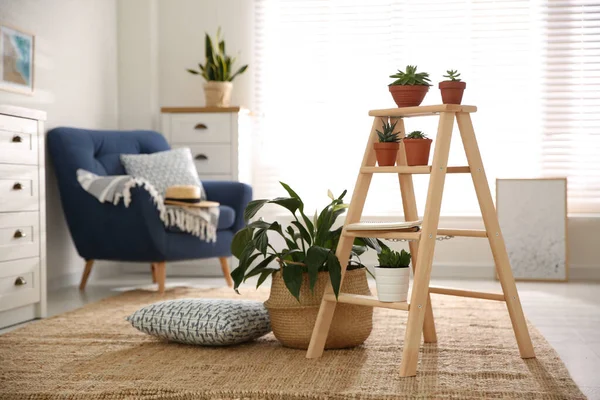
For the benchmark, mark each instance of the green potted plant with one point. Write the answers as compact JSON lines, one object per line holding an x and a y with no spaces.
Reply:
{"x":392,"y":275}
{"x":300,"y":269}
{"x":410,"y":87}
{"x":452,"y":89}
{"x":218,"y":72}
{"x":417,"y":147}
{"x":386,"y":149}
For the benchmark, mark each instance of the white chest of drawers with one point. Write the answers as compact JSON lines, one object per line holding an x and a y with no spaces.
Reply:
{"x":218,"y":137}
{"x":22,"y":215}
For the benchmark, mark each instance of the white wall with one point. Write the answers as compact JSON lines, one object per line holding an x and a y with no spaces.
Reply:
{"x":75,"y":83}
{"x":160,"y":39}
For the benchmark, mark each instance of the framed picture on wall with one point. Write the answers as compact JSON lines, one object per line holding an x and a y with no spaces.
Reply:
{"x":16,"y":60}
{"x":533,"y":218}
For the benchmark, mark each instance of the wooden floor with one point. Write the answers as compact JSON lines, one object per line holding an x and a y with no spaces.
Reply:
{"x":568,"y":315}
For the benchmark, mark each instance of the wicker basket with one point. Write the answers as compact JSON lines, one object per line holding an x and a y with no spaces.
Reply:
{"x":293,"y":321}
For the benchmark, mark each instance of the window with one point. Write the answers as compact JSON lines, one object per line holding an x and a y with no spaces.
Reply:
{"x":571,"y":99}
{"x":321,"y":65}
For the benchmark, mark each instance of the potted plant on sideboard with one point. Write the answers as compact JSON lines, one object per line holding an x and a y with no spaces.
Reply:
{"x":218,"y":72}
{"x":452,"y":89}
{"x":386,"y":149}
{"x":300,"y":270}
{"x":392,"y":275}
{"x":417,"y":147}
{"x":410,"y":87}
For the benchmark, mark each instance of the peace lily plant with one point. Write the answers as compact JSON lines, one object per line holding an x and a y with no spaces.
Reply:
{"x":310,"y":244}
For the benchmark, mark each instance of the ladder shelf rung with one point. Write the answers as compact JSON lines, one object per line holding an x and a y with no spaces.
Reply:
{"x":389,"y":234}
{"x":479,"y":233}
{"x":466,"y":293}
{"x":368,"y":301}
{"x":421,"y":111}
{"x":419,"y":169}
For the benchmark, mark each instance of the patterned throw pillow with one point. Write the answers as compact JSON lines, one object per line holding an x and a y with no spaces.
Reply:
{"x":164,"y":169}
{"x":209,"y":322}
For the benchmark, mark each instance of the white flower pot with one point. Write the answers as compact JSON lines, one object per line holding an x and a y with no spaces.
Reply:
{"x":217,"y":94}
{"x":392,"y":283}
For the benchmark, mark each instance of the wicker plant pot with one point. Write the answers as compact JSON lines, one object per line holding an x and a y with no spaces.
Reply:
{"x":293,"y":321}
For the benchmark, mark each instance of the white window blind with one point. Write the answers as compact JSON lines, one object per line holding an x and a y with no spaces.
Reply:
{"x":321,"y":65}
{"x":571,"y":101}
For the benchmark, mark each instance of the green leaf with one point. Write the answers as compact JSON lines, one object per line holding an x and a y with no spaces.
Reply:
{"x":292,"y":277}
{"x":208,"y":47}
{"x":315,"y":258}
{"x":240,"y":240}
{"x":261,"y":241}
{"x":264,"y":274}
{"x":289,"y":203}
{"x":303,"y":232}
{"x":260,"y":266}
{"x":238,"y":72}
{"x":191,"y":71}
{"x":253,"y":207}
{"x":335,"y":272}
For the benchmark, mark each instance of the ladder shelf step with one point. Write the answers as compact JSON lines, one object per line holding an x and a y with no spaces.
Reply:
{"x":420,"y":111}
{"x":390,"y":234}
{"x":419,"y":169}
{"x":479,"y":233}
{"x":368,"y":301}
{"x":466,"y":293}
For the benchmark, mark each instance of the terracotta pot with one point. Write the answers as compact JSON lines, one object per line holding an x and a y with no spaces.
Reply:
{"x":386,"y":153}
{"x":452,"y":91}
{"x":408,"y":95}
{"x":217,"y":94}
{"x":293,"y":321}
{"x":417,"y":151}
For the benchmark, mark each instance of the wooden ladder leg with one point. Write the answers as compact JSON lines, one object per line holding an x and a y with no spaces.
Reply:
{"x":420,"y":291}
{"x":357,"y":203}
{"x":409,"y":204}
{"x":490,"y":220}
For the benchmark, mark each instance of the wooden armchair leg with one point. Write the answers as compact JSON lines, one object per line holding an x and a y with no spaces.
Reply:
{"x":86,"y":274}
{"x":160,"y":273}
{"x":226,"y":273}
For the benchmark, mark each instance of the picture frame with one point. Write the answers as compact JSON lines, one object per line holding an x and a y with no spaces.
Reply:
{"x":17,"y":49}
{"x":533,"y":218}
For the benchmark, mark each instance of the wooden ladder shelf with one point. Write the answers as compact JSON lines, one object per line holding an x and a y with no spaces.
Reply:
{"x":420,"y":314}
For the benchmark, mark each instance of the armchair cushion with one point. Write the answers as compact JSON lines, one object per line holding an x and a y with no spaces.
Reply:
{"x":164,"y":169}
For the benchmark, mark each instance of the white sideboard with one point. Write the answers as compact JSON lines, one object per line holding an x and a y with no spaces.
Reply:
{"x":22,"y":215}
{"x":218,"y":137}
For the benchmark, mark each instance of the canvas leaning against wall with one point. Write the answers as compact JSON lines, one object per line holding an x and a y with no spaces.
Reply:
{"x":533,"y":218}
{"x":16,"y":60}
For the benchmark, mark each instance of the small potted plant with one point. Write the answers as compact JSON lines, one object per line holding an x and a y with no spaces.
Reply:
{"x":389,"y":143}
{"x":452,"y":89}
{"x":218,"y":72}
{"x":417,"y":147}
{"x":410,"y":87}
{"x":392,"y":275}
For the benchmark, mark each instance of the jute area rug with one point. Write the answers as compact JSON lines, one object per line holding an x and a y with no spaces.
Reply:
{"x":93,"y":353}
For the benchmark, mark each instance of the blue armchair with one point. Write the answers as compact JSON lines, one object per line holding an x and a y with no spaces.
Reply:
{"x":103,"y":231}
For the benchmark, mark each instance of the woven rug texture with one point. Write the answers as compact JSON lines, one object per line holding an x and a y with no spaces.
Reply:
{"x":93,"y":353}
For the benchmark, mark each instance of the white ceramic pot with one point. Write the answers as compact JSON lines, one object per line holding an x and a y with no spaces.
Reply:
{"x":392,"y":283}
{"x":217,"y":94}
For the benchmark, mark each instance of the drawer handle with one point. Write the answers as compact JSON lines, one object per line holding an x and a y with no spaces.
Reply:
{"x":17,"y":139}
{"x":200,"y":126}
{"x":20,"y":281}
{"x":202,"y":157}
{"x":18,"y":186}
{"x":19,"y":234}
